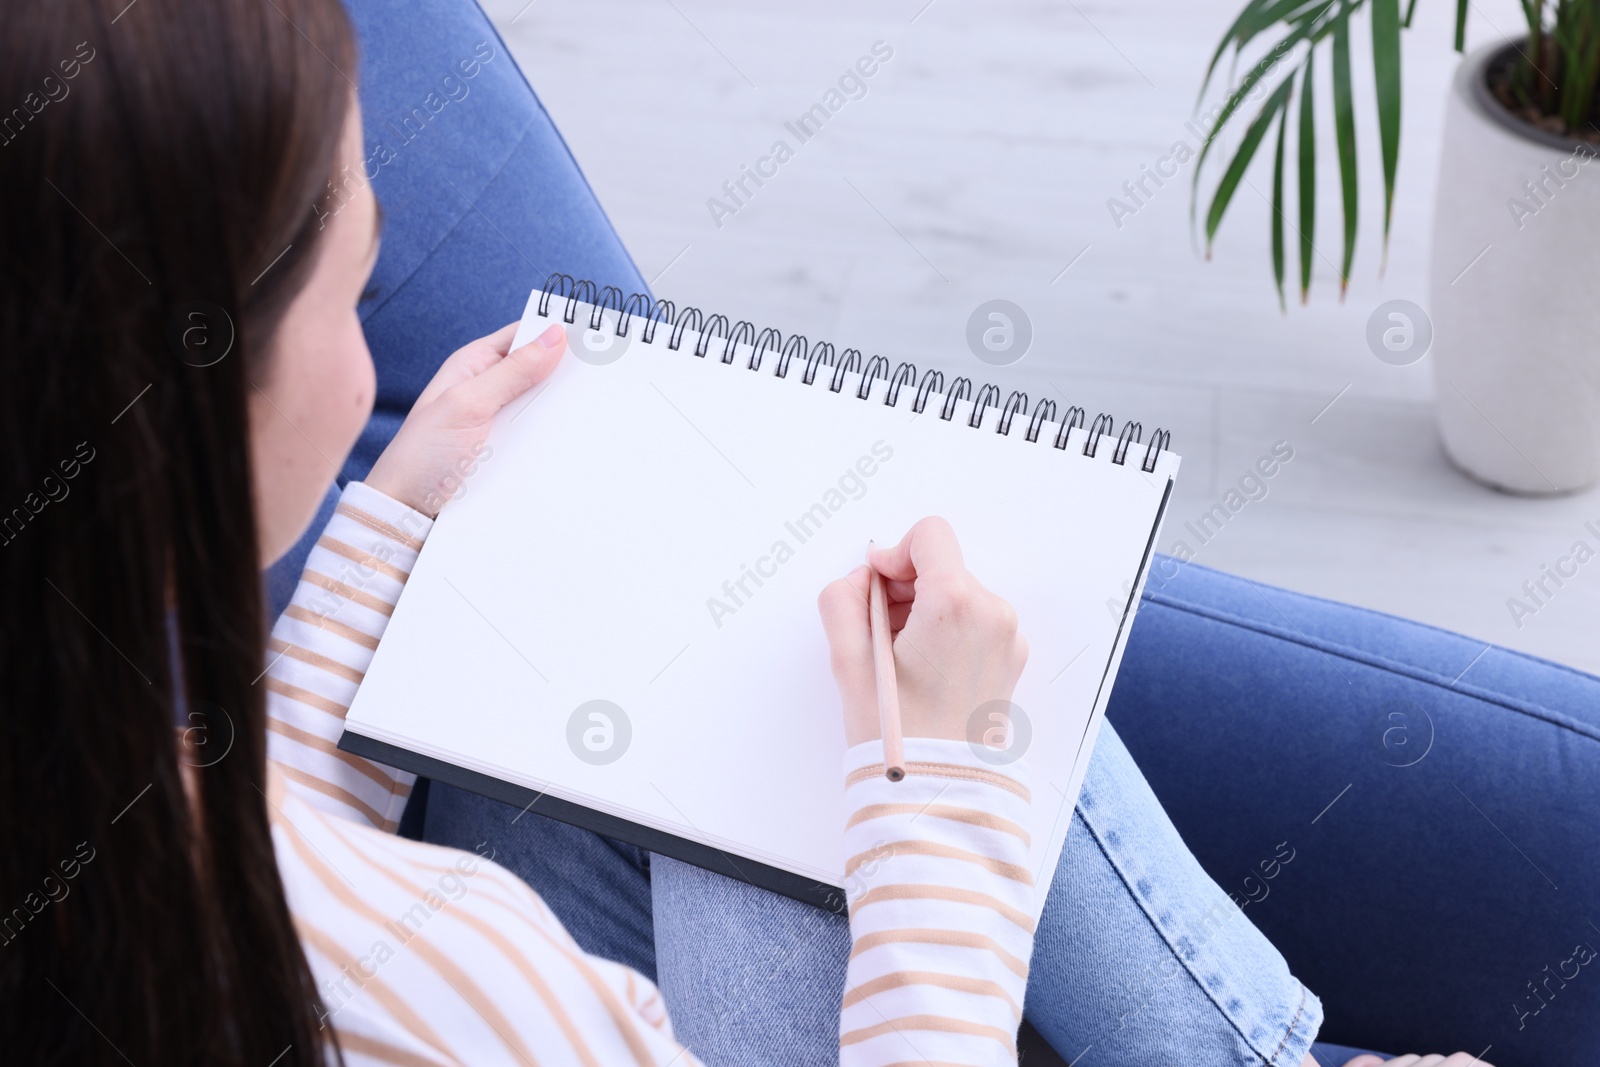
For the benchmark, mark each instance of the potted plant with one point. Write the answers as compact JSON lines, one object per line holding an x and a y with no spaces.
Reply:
{"x":1514,"y":315}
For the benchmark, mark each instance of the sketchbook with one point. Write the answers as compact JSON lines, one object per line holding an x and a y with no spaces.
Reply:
{"x":615,"y":624}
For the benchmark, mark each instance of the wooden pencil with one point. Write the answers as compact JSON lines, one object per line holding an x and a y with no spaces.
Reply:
{"x":894,"y":757}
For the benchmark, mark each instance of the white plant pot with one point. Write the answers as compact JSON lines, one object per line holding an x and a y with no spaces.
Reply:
{"x":1514,"y":295}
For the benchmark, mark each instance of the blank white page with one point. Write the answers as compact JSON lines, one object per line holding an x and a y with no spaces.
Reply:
{"x":604,"y":551}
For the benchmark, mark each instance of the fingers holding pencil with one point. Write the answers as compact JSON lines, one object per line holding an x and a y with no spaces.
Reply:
{"x":928,"y":549}
{"x":843,"y":605}
{"x":955,"y":644}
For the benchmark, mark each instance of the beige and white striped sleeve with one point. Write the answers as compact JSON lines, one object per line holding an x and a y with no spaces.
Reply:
{"x":321,"y":647}
{"x":941,"y":908}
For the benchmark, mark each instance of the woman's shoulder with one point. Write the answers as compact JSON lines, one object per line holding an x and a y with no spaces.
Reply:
{"x":444,"y":954}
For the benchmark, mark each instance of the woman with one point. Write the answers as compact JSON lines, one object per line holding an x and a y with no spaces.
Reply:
{"x":199,"y":876}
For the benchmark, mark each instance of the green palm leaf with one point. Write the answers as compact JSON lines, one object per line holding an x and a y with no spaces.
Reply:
{"x":1241,"y":159}
{"x":1307,"y":173}
{"x":1250,"y":11}
{"x":1386,"y":75}
{"x":1558,"y":74}
{"x":1256,"y":17}
{"x":1292,"y":12}
{"x":1344,"y":124}
{"x":1277,"y":202}
{"x":1237,"y":97}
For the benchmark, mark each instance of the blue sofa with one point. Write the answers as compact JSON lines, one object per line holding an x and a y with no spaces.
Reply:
{"x":1441,"y":800}
{"x":1441,"y":797}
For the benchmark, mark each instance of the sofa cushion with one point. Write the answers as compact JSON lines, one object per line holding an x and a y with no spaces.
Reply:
{"x":1441,"y":798}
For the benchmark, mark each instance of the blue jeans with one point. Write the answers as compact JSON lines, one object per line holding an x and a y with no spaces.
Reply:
{"x":1140,"y":959}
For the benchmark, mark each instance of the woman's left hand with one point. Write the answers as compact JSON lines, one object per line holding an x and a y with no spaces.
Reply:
{"x":438,"y":445}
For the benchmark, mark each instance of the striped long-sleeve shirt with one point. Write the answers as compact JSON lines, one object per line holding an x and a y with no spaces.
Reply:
{"x":424,"y":955}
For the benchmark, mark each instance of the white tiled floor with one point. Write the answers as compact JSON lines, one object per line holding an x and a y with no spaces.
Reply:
{"x":978,"y":165}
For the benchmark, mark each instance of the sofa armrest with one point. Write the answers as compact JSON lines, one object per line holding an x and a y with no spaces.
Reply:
{"x":1441,"y":798}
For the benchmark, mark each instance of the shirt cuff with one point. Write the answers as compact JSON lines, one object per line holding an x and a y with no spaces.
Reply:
{"x":939,"y":757}
{"x":385,"y":515}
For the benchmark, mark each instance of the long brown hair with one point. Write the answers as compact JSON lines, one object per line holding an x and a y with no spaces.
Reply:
{"x":159,"y":162}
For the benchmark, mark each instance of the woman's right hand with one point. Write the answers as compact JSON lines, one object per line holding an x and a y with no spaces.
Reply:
{"x":956,"y":646}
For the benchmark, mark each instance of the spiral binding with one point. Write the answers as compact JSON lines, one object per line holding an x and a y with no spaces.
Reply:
{"x":717,"y":328}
